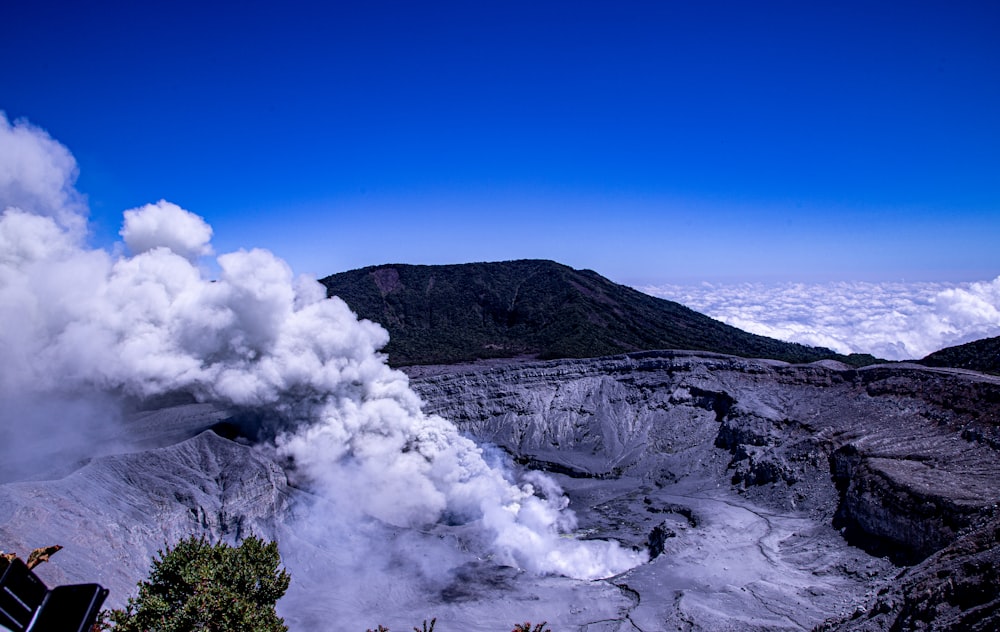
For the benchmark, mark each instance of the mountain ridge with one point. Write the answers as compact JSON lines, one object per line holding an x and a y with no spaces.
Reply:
{"x":979,"y":355}
{"x":443,"y":314}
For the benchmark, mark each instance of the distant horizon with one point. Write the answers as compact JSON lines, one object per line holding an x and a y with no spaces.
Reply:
{"x":657,"y":144}
{"x":892,"y":320}
{"x":691,"y":280}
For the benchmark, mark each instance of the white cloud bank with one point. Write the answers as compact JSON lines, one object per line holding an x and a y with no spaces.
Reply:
{"x":80,"y":326}
{"x":895,"y":321}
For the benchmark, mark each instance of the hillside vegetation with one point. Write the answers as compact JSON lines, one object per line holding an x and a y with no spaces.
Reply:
{"x":456,"y":313}
{"x":979,"y":355}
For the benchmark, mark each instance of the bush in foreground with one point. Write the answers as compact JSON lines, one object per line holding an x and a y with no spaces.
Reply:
{"x":201,"y":586}
{"x":219,"y":588}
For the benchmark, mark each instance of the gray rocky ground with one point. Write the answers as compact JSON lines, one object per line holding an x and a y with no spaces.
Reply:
{"x":770,"y":496}
{"x":783,"y":468}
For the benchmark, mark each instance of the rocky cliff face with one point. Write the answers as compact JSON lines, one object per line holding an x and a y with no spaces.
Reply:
{"x":902,"y":460}
{"x":114,"y":513}
{"x":953,"y":589}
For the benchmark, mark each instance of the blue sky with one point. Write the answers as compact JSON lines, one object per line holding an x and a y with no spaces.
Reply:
{"x":654,"y":142}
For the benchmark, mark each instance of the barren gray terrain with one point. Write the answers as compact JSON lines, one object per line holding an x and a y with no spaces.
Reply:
{"x":769,"y":496}
{"x":787,"y":494}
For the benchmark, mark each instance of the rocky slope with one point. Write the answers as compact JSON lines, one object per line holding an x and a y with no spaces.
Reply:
{"x":770,"y":497}
{"x":902,"y":460}
{"x":113,"y":514}
{"x":954,"y":589}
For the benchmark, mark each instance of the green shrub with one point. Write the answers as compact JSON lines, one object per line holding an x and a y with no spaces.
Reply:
{"x":200,"y":586}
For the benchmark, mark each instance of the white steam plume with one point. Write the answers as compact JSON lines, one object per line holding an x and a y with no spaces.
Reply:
{"x":166,"y":225}
{"x":37,"y":175}
{"x":78,"y":322}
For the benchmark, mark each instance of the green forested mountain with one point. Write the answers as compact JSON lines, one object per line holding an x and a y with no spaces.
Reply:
{"x":456,"y":313}
{"x":979,"y":355}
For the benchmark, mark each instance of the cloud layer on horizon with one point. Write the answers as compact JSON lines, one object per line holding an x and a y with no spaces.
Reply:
{"x":892,"y":320}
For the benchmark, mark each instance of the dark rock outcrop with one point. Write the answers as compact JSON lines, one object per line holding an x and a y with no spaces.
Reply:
{"x":954,"y":589}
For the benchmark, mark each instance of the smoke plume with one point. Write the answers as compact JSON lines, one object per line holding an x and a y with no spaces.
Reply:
{"x":82,"y":327}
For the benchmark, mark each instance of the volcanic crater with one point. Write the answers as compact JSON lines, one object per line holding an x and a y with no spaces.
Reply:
{"x":769,"y":496}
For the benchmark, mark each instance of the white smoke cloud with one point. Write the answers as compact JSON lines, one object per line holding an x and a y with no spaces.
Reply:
{"x":37,"y":175}
{"x":895,"y":321}
{"x":169,"y":226}
{"x":78,"y":321}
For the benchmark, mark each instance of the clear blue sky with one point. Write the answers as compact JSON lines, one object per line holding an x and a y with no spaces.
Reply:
{"x":650,"y":141}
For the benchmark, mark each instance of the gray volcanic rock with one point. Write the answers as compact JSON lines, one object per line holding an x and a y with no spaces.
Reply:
{"x":902,"y":460}
{"x":954,"y":589}
{"x":113,"y":514}
{"x":749,"y":482}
